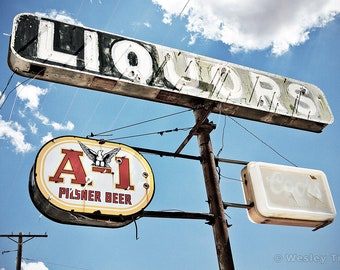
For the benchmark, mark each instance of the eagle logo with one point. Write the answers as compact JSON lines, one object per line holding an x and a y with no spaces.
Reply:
{"x":98,"y":158}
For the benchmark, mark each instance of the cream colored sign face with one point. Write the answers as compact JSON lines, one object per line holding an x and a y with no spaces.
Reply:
{"x":89,"y":176}
{"x":287,"y":195}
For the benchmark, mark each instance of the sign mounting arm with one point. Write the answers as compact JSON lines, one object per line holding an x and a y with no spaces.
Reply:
{"x":203,"y":117}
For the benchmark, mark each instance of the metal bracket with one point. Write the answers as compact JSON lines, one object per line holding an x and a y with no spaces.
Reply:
{"x":178,"y":214}
{"x":195,"y":128}
{"x":237,"y":205}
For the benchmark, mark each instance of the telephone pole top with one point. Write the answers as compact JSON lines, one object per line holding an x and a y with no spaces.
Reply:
{"x":20,"y":243}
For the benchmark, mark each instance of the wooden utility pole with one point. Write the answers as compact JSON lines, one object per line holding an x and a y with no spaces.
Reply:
{"x":20,"y":242}
{"x":19,"y":252}
{"x":220,"y":228}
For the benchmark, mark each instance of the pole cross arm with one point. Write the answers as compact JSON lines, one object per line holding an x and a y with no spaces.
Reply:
{"x":23,"y":235}
{"x":203,"y":118}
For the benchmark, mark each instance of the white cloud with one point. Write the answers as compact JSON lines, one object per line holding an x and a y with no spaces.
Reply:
{"x":33,"y":266}
{"x":42,"y":118}
{"x":60,"y":16}
{"x":57,"y":126}
{"x":141,"y":24}
{"x":147,"y":24}
{"x":193,"y":39}
{"x":174,"y":8}
{"x":33,"y":128}
{"x":30,"y":94}
{"x":14,"y":133}
{"x":99,"y":1}
{"x":46,"y":138}
{"x":253,"y":24}
{"x":167,"y":18}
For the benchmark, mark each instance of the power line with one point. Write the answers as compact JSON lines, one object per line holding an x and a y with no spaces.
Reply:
{"x":223,"y":130}
{"x":228,"y":177}
{"x":29,"y":80}
{"x":79,"y":9}
{"x":104,"y":133}
{"x":184,"y":7}
{"x":171,"y":28}
{"x":9,"y":80}
{"x":152,"y":133}
{"x":263,"y":142}
{"x":112,"y":14}
{"x":10,"y":92}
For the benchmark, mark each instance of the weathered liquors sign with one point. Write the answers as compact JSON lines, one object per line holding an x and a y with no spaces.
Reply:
{"x":55,"y":51}
{"x":77,"y":180}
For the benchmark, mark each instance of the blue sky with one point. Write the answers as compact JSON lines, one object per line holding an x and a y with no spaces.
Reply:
{"x":298,"y":39}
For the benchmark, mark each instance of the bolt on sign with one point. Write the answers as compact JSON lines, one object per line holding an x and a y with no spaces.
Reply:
{"x":287,"y":195}
{"x":88,"y":182}
{"x":70,"y":54}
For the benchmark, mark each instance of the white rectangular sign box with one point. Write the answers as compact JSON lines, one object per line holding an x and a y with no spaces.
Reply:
{"x":55,"y":51}
{"x":287,"y":195}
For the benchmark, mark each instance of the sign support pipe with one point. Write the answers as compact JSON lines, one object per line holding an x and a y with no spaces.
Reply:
{"x":219,"y":224}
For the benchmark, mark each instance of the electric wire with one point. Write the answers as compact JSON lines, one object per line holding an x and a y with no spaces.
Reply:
{"x":146,"y":16}
{"x":93,"y":112}
{"x":152,"y":133}
{"x":223,"y":131}
{"x":104,"y":133}
{"x":113,"y":13}
{"x":77,"y":14}
{"x":71,"y":104}
{"x":29,"y":80}
{"x":230,"y":178}
{"x":171,"y":28}
{"x":218,"y":169}
{"x":184,"y":7}
{"x":8,"y":82}
{"x":12,"y":109}
{"x":263,"y":142}
{"x":79,"y":9}
{"x":117,"y":115}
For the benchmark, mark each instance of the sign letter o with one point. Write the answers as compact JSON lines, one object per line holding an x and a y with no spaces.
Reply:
{"x":132,"y":60}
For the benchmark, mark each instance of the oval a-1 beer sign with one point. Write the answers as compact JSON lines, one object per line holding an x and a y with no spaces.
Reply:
{"x":89,"y":182}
